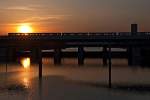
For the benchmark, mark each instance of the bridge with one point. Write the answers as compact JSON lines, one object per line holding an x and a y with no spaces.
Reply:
{"x":137,"y":44}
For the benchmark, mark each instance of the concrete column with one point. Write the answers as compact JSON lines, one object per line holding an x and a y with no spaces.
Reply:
{"x":134,"y":53}
{"x":11,"y":54}
{"x":80,"y":56}
{"x":145,"y":56}
{"x":57,"y":56}
{"x":40,"y":62}
{"x":34,"y":55}
{"x":129,"y":52}
{"x":6,"y":59}
{"x":134,"y":56}
{"x":110,"y":65}
{"x":104,"y":56}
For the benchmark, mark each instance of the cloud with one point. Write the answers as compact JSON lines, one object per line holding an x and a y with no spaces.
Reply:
{"x":37,"y":20}
{"x":30,"y":7}
{"x":20,"y":8}
{"x":46,"y":19}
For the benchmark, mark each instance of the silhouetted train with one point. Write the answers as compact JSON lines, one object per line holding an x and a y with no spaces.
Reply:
{"x":73,"y":34}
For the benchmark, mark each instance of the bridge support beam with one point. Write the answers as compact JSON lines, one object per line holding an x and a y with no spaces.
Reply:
{"x":11,"y":54}
{"x":34,"y":55}
{"x":134,"y":53}
{"x":104,"y":56}
{"x":57,"y":56}
{"x":134,"y":56}
{"x":110,"y":65}
{"x":6,"y":59}
{"x":80,"y":56}
{"x":40,"y":62}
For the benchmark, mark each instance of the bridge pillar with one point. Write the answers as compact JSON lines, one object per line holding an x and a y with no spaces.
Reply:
{"x":110,"y":65}
{"x":34,"y":55}
{"x":11,"y":54}
{"x":134,"y":56}
{"x":129,"y":52}
{"x":40,"y":62}
{"x":104,"y":56}
{"x":80,"y":56}
{"x":134,"y":53}
{"x":57,"y":56}
{"x":145,"y":53}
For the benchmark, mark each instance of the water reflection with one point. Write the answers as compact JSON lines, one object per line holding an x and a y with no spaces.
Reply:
{"x":25,"y":62}
{"x":121,"y":72}
{"x":26,"y":82}
{"x":71,"y":75}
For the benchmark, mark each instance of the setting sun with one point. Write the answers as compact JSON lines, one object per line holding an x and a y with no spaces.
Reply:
{"x":25,"y":28}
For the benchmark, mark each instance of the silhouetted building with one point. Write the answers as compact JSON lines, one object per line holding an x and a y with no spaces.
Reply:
{"x":134,"y":29}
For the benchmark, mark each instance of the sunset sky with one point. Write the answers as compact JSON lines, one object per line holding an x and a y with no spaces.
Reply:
{"x":74,"y":15}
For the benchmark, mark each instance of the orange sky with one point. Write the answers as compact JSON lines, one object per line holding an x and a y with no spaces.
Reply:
{"x":74,"y":15}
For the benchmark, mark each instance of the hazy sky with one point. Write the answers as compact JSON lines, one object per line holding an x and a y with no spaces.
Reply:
{"x":74,"y":15}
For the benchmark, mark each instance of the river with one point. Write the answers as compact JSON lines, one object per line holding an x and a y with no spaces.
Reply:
{"x":72,"y":82}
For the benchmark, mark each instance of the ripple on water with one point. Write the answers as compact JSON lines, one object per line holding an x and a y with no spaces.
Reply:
{"x":14,"y":89}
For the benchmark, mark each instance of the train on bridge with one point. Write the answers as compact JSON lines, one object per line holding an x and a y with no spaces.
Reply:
{"x":137,"y":44}
{"x":79,"y":34}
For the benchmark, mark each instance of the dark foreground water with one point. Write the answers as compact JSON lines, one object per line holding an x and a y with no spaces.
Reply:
{"x":72,"y":82}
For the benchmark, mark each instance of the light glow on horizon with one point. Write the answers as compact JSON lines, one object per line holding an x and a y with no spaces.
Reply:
{"x":24,"y":28}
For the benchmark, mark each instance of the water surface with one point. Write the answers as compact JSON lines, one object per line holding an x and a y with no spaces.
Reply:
{"x":63,"y":82}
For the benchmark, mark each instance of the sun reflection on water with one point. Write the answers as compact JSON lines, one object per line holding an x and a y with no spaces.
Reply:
{"x":25,"y":62}
{"x":26,"y":82}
